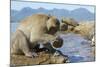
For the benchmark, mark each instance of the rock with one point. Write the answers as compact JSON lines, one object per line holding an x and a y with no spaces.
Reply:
{"x":68,"y":24}
{"x":93,"y":41}
{"x":85,"y":29}
{"x":63,"y":27}
{"x":70,"y":21}
{"x":43,"y":58}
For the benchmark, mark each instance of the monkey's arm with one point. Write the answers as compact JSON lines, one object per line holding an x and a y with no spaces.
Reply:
{"x":48,"y":38}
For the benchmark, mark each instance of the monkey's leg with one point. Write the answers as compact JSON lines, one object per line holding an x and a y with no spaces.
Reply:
{"x":15,"y":43}
{"x":20,"y":43}
{"x":25,"y":46}
{"x":15,"y":47}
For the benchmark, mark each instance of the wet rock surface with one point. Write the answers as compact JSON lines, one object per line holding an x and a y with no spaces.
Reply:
{"x":42,"y":58}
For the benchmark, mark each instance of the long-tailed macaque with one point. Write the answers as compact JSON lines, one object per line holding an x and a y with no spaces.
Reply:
{"x":33,"y":30}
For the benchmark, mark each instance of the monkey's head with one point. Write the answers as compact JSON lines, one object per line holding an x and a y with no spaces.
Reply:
{"x":53,"y":25}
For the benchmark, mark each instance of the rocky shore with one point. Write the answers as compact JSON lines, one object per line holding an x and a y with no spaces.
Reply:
{"x":42,"y":58}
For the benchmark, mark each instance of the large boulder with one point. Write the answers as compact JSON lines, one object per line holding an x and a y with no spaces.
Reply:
{"x":85,"y":29}
{"x":63,"y":27}
{"x":70,"y":21}
{"x":68,"y":24}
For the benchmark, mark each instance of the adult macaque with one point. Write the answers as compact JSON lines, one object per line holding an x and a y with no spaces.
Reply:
{"x":33,"y":30}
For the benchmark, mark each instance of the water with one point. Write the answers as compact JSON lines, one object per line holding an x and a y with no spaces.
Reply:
{"x":76,"y":47}
{"x":13,"y":26}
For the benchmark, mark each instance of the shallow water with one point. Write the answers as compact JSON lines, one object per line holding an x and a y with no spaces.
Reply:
{"x":76,"y":47}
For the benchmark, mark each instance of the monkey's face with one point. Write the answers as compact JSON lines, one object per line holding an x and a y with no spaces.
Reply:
{"x":53,"y":25}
